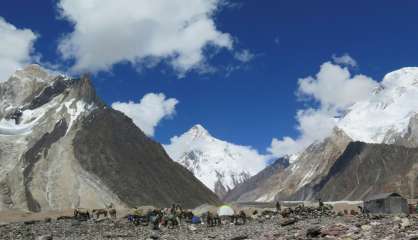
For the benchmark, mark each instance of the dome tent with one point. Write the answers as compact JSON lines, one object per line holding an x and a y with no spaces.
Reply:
{"x":203,"y":209}
{"x":225,"y":210}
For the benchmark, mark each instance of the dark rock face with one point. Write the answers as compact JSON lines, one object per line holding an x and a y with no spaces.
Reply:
{"x":367,"y":169}
{"x":33,"y":155}
{"x":257,"y":180}
{"x":134,"y":167}
{"x":58,"y":87}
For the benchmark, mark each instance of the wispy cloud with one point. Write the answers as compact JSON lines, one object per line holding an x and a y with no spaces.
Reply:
{"x":244,"y":56}
{"x":344,"y":59}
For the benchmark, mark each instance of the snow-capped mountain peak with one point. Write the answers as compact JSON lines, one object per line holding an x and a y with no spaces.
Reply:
{"x":387,"y":113}
{"x":220,"y":165}
{"x":198,"y":131}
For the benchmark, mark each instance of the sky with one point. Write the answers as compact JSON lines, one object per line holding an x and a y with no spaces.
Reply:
{"x":268,"y":74}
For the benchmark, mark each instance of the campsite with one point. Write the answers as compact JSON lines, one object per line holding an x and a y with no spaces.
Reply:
{"x":295,"y":220}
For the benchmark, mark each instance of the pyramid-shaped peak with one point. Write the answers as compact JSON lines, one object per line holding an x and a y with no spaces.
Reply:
{"x":198,"y":131}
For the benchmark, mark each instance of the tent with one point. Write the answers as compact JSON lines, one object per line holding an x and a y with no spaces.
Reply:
{"x":387,"y":203}
{"x":225,"y":210}
{"x":203,"y":209}
{"x":196,"y":220}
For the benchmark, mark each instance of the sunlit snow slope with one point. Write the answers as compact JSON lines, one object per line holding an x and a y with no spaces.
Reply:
{"x":387,"y":113}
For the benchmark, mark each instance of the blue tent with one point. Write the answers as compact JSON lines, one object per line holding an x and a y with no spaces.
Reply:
{"x":196,"y":220}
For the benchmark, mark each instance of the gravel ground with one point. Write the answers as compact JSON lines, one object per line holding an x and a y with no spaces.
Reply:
{"x":385,"y":227}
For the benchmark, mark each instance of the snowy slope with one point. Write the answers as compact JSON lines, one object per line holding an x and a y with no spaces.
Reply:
{"x":218,"y":164}
{"x":387,"y":112}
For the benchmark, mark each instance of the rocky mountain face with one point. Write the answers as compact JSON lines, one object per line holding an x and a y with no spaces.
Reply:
{"x":282,"y":183}
{"x":365,"y":169}
{"x":62,"y":147}
{"x":218,"y":164}
{"x":255,"y":183}
{"x":371,"y":150}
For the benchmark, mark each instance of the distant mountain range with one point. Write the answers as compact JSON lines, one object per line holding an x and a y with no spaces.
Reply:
{"x":62,"y":147}
{"x":372,"y":149}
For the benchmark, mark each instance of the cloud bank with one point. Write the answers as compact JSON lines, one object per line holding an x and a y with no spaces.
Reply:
{"x":332,"y":91}
{"x":16,"y":46}
{"x":149,"y":111}
{"x":107,"y":32}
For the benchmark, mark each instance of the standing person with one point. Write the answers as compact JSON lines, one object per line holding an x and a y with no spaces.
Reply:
{"x":321,"y":206}
{"x":173,"y":209}
{"x":278,"y":206}
{"x":179,"y":213}
{"x":320,"y":203}
{"x":209,"y":219}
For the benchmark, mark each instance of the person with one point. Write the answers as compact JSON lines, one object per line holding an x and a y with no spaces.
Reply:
{"x":216,"y":219}
{"x":173,"y":209}
{"x":179,"y":214}
{"x":278,"y":206}
{"x":416,"y":208}
{"x":243,"y":217}
{"x":364,"y":211}
{"x":155,"y":218}
{"x":321,"y":204}
{"x":209,"y":219}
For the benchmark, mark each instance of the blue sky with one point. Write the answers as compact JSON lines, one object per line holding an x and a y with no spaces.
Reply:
{"x":256,"y":102}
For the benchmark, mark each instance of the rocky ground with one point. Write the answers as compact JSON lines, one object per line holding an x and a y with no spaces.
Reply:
{"x":343,"y":227}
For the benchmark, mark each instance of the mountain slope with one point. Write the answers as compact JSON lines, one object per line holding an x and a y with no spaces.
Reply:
{"x":282,"y":184}
{"x":389,"y":116}
{"x":61,"y":147}
{"x":367,"y":169}
{"x":257,"y":181}
{"x":218,"y":164}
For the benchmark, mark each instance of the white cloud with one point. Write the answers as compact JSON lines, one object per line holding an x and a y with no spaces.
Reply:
{"x":244,"y":56}
{"x":107,"y":32}
{"x":313,"y":125}
{"x":344,"y":60}
{"x":16,"y":46}
{"x":335,"y":89}
{"x":149,"y":112}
